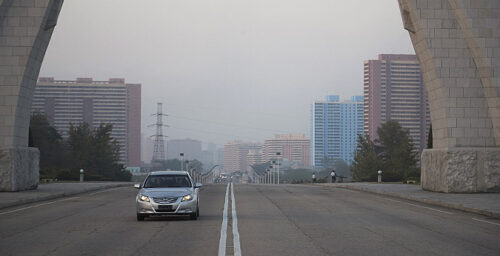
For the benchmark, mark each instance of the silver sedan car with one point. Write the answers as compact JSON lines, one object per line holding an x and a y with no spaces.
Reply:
{"x":167,"y":193}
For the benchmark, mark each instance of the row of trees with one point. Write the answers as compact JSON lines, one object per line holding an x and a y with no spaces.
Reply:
{"x":93,"y":150}
{"x":393,"y":153}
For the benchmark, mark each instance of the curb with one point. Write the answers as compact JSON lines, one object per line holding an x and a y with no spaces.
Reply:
{"x":423,"y":200}
{"x":60,"y":195}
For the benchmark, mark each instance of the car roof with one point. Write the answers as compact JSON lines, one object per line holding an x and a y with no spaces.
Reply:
{"x":169,"y":173}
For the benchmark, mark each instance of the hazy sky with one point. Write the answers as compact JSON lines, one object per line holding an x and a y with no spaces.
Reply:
{"x":226,"y":69}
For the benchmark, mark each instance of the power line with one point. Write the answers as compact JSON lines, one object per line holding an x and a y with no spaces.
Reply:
{"x":219,"y":110}
{"x":227,"y":124}
{"x":217,"y":133}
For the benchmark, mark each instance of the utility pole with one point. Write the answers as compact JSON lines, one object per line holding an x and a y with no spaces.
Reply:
{"x":159,"y":150}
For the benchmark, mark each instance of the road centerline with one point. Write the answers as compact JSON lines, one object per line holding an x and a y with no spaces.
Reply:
{"x":236,"y":234}
{"x":223,"y":229}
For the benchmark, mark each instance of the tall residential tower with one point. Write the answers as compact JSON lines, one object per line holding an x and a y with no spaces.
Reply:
{"x":84,"y":100}
{"x":394,"y":90}
{"x":335,"y":126}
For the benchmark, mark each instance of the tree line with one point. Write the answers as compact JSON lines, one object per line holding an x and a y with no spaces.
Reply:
{"x":93,"y":150}
{"x":393,"y":153}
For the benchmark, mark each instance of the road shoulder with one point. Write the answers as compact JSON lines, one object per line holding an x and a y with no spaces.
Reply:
{"x":51,"y":191}
{"x":487,"y":204}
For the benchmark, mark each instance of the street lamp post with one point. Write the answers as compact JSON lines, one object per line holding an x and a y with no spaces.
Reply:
{"x":268,"y":176}
{"x":273,"y":180}
{"x":182,"y":161}
{"x":278,"y":157}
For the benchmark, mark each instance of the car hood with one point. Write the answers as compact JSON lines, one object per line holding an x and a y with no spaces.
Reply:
{"x":166,"y":192}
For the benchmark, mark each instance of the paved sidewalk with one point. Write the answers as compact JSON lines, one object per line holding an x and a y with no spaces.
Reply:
{"x":49,"y":191}
{"x":482,"y":203}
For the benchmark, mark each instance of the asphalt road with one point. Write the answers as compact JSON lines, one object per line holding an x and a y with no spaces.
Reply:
{"x":271,"y":220}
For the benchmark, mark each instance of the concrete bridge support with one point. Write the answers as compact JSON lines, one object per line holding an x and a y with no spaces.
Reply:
{"x":458,"y":45}
{"x":25,"y":30}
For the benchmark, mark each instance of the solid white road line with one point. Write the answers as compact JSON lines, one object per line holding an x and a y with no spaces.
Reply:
{"x":236,"y":234}
{"x":66,"y":199}
{"x":33,"y":206}
{"x":223,"y":228}
{"x":489,"y":222}
{"x":416,"y":205}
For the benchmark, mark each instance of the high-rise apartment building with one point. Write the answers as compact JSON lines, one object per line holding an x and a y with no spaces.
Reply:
{"x":207,"y":158}
{"x":254,"y":156}
{"x":236,"y":155}
{"x":191,"y":149}
{"x":84,"y":100}
{"x":219,"y":157}
{"x":293,"y":147}
{"x":394,"y":90}
{"x":335,"y":126}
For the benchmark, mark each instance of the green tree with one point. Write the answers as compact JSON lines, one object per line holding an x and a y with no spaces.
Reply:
{"x":261,"y":168}
{"x":300,"y":175}
{"x":366,"y":163}
{"x":106,"y":154}
{"x":170,"y":164}
{"x":96,"y":152}
{"x":328,"y":163}
{"x":398,"y":152}
{"x":342,"y":168}
{"x":195,"y":164}
{"x":80,"y":143}
{"x":53,"y":153}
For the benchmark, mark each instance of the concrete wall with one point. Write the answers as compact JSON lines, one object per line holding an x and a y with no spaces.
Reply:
{"x":458,"y":45}
{"x":25,"y":30}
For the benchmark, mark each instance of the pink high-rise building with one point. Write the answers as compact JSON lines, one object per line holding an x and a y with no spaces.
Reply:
{"x":394,"y":90}
{"x":236,"y":155}
{"x":294,"y":147}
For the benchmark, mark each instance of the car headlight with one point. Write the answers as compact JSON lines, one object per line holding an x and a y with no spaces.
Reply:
{"x":144,"y":198}
{"x":187,"y":198}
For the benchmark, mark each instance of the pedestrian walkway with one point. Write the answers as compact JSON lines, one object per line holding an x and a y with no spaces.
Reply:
{"x":482,"y":203}
{"x":49,"y":191}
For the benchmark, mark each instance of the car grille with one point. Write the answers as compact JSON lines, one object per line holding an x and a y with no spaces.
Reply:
{"x":165,"y":208}
{"x":165,"y":200}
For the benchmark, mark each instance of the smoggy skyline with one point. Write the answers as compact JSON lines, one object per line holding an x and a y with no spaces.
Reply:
{"x":226,"y":70}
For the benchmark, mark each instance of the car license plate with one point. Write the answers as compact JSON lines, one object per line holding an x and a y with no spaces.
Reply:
{"x":165,"y":207}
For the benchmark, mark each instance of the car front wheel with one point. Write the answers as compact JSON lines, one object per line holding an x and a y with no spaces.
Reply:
{"x":140,"y":217}
{"x":195,"y":215}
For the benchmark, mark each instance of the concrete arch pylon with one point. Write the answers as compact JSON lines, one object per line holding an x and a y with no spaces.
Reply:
{"x":25,"y":30}
{"x":458,"y":45}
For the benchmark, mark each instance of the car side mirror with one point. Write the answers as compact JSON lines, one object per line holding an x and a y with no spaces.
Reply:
{"x":137,"y":186}
{"x":198,"y":185}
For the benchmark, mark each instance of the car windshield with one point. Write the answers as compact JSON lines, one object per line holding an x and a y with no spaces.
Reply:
{"x":167,"y":181}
